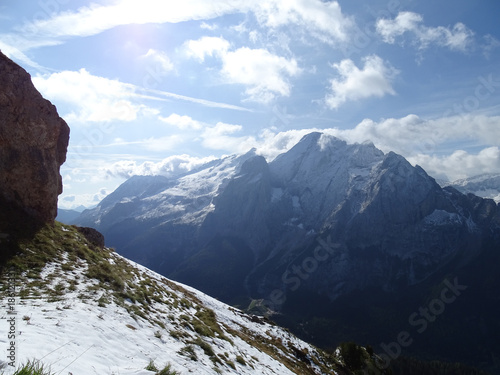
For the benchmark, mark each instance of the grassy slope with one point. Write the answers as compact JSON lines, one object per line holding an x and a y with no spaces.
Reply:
{"x":58,"y":261}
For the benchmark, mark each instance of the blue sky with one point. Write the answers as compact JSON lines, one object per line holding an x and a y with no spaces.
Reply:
{"x":161,"y":86}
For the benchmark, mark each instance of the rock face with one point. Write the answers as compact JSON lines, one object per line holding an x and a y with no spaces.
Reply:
{"x":33,"y":145}
{"x":388,"y":223}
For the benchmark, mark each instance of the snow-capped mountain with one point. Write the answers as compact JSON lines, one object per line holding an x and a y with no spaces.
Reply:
{"x":484,"y":185}
{"x":270,"y":216}
{"x":83,"y":310}
{"x":322,"y":232}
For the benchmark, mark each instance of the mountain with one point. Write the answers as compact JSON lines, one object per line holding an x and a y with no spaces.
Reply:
{"x":83,"y":309}
{"x":314,"y":237}
{"x":67,"y":216}
{"x":71,"y":305}
{"x":485,"y":185}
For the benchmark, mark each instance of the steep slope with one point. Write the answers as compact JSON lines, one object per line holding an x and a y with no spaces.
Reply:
{"x":86,"y":310}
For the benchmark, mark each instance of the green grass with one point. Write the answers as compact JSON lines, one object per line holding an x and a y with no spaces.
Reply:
{"x":32,"y":368}
{"x":240,"y":360}
{"x":151,"y":366}
{"x":188,"y":351}
{"x":167,"y":370}
{"x":116,"y":281}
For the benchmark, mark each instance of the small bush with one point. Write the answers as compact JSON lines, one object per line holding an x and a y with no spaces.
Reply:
{"x":189,"y":352}
{"x":151,"y":366}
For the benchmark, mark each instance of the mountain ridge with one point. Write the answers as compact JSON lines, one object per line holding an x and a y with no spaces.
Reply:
{"x":356,"y":193}
{"x":388,"y":227}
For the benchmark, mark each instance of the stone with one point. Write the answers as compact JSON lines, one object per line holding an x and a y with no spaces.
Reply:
{"x":33,"y":146}
{"x":93,"y":236}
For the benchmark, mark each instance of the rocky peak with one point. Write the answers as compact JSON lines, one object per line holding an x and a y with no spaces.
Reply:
{"x":33,"y":145}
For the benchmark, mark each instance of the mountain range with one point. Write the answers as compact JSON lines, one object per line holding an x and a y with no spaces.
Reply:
{"x":314,"y":237}
{"x":485,"y":185}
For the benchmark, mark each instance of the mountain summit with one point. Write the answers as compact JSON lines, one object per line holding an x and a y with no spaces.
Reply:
{"x":322,"y":232}
{"x":389,"y":222}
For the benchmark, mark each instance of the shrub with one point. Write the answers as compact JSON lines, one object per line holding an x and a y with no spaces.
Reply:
{"x":151,"y":366}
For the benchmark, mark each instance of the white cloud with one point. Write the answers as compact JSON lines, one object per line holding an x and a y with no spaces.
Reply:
{"x":253,"y":36}
{"x":162,"y":144}
{"x":265,"y":74}
{"x":94,"y":98}
{"x":374,"y":79}
{"x":323,"y":20}
{"x":423,"y":142}
{"x":161,"y":59}
{"x":206,"y":46}
{"x":210,"y":27}
{"x":220,"y":137}
{"x":75,"y":201}
{"x":169,"y":166}
{"x":412,"y":135}
{"x":16,"y":54}
{"x":404,"y":21}
{"x":459,"y":37}
{"x":94,"y":19}
{"x":490,"y":43}
{"x":270,"y":144}
{"x":460,"y":164}
{"x":182,"y":122}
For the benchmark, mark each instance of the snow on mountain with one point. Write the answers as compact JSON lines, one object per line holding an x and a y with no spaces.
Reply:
{"x":186,"y":197}
{"x":485,"y":186}
{"x":83,"y":310}
{"x":250,"y":221}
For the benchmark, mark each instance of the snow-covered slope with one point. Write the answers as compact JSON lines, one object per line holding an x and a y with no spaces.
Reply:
{"x":180,"y":198}
{"x":484,"y":185}
{"x":83,"y":310}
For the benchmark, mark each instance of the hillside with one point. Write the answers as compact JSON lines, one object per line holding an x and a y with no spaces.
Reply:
{"x":82,"y":309}
{"x":335,"y":241}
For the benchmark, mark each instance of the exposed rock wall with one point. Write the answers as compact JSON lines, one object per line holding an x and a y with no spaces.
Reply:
{"x":33,"y":145}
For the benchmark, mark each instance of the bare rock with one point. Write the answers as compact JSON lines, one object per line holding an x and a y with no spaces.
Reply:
{"x":33,"y":145}
{"x":93,"y":236}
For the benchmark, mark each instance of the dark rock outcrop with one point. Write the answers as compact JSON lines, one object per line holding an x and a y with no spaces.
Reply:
{"x":92,"y":235}
{"x":33,"y":145}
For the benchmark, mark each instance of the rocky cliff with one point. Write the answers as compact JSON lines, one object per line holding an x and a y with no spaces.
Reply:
{"x":33,"y":145}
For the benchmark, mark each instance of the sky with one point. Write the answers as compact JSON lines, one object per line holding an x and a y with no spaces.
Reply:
{"x":160,"y":86}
